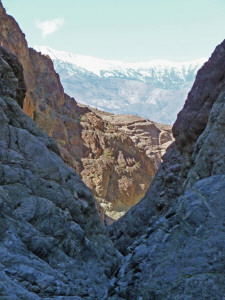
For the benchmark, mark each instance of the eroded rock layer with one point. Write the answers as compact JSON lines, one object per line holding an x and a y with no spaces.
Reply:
{"x":118,"y":165}
{"x":124,"y":154}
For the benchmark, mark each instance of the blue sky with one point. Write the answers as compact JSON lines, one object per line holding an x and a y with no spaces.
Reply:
{"x":129,"y":30}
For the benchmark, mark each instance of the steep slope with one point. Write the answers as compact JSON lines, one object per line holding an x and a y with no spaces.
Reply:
{"x":182,"y":255}
{"x":179,"y":166}
{"x":117,"y":169}
{"x":51,"y":239}
{"x":179,"y":229}
{"x":108,"y":160}
{"x":155,"y":90}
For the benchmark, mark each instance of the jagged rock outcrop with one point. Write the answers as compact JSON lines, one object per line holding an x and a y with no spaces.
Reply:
{"x":118,"y":165}
{"x":179,"y":251}
{"x":52,"y":242}
{"x":123,"y":156}
{"x":154,"y":138}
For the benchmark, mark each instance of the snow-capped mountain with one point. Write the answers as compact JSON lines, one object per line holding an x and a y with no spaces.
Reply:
{"x":155,"y":90}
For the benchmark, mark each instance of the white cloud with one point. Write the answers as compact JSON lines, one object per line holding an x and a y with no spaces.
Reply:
{"x":49,"y":26}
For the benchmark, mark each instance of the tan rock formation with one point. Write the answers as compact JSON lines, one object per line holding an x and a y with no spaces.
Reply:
{"x":116,"y":156}
{"x":116,"y":167}
{"x":152,"y":137}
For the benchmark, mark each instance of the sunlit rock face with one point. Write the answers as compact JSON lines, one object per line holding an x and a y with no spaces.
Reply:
{"x":124,"y":154}
{"x":117,"y":157}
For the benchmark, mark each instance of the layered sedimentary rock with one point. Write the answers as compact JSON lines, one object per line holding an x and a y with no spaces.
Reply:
{"x":118,"y":164}
{"x":176,"y":233}
{"x":52,"y":242}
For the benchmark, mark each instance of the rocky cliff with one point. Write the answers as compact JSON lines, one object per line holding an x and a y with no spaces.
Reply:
{"x":181,"y":165}
{"x":118,"y":165}
{"x":125,"y":153}
{"x":174,"y":238}
{"x":52,"y":242}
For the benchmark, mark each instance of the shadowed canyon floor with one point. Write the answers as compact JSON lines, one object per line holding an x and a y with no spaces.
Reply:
{"x":52,"y":242}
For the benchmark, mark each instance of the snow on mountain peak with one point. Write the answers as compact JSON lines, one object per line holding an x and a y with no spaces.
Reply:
{"x":154,"y":89}
{"x":96,"y":65}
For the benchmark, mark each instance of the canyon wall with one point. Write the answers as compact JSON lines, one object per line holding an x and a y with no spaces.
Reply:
{"x":52,"y":242}
{"x":173,"y":239}
{"x":181,"y":165}
{"x":113,"y":164}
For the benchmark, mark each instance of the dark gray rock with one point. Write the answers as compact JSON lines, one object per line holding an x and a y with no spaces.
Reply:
{"x":198,"y":152}
{"x":15,"y":77}
{"x":52,"y":242}
{"x":174,"y":238}
{"x":183,"y":257}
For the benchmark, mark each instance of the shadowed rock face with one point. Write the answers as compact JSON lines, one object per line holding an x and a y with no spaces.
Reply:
{"x":52,"y":242}
{"x":182,"y":254}
{"x":117,"y":165}
{"x":176,"y":233}
{"x":198,"y":151}
{"x":16,"y":77}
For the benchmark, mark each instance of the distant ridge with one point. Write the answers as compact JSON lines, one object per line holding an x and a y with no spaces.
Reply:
{"x":155,"y":89}
{"x":96,"y":65}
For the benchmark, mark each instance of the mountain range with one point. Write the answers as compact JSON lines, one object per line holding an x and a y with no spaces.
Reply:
{"x":155,"y":90}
